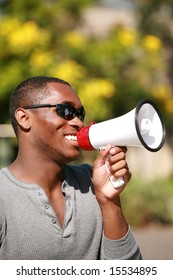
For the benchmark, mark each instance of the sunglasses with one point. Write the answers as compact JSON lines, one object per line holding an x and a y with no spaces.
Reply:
{"x":64,"y":111}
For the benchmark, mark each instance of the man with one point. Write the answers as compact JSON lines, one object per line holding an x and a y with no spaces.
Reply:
{"x":51,"y":210}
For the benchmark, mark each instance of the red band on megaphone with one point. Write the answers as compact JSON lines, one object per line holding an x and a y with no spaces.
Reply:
{"x":83,"y":138}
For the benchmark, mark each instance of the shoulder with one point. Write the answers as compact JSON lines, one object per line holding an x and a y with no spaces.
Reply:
{"x":2,"y":201}
{"x":3,"y":172}
{"x":3,"y":189}
{"x":3,"y":178}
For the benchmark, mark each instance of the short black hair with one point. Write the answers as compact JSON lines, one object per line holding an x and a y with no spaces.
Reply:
{"x":28,"y":92}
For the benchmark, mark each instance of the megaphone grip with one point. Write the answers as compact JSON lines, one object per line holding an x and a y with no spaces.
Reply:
{"x":117,"y":183}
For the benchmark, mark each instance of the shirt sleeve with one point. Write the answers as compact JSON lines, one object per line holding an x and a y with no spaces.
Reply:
{"x":125,"y":248}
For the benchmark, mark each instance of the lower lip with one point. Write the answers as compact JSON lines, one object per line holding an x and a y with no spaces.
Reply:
{"x":73,"y":142}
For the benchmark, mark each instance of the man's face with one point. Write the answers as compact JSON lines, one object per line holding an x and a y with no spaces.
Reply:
{"x":53,"y":136}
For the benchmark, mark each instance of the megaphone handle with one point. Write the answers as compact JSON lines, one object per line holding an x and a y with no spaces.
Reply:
{"x":117,"y":183}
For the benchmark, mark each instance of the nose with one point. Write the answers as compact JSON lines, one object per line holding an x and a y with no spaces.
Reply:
{"x":76,"y":122}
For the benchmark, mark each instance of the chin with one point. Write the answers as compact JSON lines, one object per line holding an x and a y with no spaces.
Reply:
{"x":72,"y":157}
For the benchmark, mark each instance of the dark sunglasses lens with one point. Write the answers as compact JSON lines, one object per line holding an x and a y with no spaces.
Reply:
{"x":64,"y":111}
{"x":81,"y":114}
{"x":69,"y":112}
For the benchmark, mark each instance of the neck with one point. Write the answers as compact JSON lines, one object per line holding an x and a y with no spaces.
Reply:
{"x":47,"y":174}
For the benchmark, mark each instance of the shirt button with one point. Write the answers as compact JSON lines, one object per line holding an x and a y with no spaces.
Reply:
{"x":53,"y":221}
{"x":39,"y":193}
{"x":46,"y":206}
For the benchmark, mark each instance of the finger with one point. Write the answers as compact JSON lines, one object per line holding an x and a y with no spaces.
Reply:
{"x":122,"y":164}
{"x":120,"y":156}
{"x":117,"y":149}
{"x":121,"y":173}
{"x":127,"y":177}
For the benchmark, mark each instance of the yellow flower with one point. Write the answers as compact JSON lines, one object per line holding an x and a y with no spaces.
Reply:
{"x":69,"y":70}
{"x":152,"y":43}
{"x":95,"y":90}
{"x":107,"y":88}
{"x":169,"y":106}
{"x":92,"y":94}
{"x":41,"y":59}
{"x":26,"y":36}
{"x":161,"y":92}
{"x":8,"y":26}
{"x":75,"y":39}
{"x":127,"y":37}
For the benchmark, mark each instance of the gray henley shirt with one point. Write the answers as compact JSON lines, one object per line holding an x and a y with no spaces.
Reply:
{"x":29,"y":228}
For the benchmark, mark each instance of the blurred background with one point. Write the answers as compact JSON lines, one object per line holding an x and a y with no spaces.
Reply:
{"x":114,"y":53}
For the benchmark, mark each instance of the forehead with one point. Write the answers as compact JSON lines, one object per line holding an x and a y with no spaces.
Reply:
{"x":60,"y":93}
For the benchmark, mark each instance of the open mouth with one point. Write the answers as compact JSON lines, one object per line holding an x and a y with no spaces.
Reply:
{"x":71,"y":137}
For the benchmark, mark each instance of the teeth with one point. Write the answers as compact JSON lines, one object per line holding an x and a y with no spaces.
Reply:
{"x":71,"y":137}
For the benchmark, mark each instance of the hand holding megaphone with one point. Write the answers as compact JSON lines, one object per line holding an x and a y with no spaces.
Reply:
{"x":142,"y":127}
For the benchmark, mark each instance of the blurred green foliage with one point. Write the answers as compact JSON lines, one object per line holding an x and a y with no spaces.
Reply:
{"x":110,"y":74}
{"x":147,"y":202}
{"x":155,"y":17}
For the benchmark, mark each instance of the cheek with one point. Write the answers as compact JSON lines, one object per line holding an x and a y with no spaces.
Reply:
{"x":49,"y":124}
{"x":48,"y":141}
{"x":51,"y":134}
{"x":48,"y":130}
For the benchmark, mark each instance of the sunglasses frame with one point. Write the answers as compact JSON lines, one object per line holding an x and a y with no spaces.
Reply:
{"x":80,"y":113}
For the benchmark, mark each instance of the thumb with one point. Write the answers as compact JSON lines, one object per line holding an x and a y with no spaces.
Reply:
{"x":102,"y":156}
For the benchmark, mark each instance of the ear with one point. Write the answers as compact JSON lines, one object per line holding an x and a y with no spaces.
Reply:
{"x":23,"y":118}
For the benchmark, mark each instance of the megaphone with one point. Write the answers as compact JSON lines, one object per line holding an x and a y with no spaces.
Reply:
{"x":141,"y":127}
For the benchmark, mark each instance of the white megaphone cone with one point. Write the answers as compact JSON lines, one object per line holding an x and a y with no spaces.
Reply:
{"x":143,"y":126}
